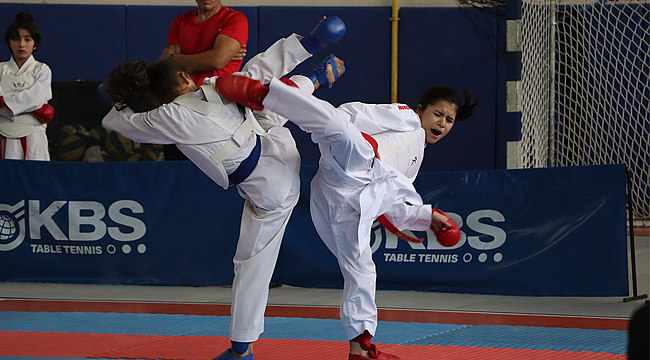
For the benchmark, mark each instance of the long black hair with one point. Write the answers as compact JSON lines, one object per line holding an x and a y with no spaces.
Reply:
{"x":143,"y":87}
{"x":23,"y":20}
{"x":438,"y":92}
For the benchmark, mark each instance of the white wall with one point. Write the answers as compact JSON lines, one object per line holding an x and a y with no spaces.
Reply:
{"x":402,"y":3}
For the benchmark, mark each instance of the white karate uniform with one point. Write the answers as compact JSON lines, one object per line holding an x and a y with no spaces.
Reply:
{"x":24,"y":90}
{"x":271,"y":191}
{"x":352,"y":187}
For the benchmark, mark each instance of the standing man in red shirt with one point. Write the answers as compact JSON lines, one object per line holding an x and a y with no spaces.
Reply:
{"x":210,"y":40}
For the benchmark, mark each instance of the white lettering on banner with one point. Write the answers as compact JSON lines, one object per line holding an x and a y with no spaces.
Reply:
{"x":399,"y":257}
{"x":86,"y":223}
{"x":497,"y":233}
{"x":139,"y":228}
{"x":76,"y":219}
{"x":422,"y":258}
{"x":38,"y":219}
{"x":90,"y":214}
{"x":476,"y":242}
{"x":66,"y":249}
{"x":438,"y":258}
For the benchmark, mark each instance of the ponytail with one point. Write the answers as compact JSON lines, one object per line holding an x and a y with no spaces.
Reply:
{"x":442,"y":93}
{"x":467,"y":108}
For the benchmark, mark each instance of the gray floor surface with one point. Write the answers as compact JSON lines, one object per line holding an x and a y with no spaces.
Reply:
{"x":610,"y":307}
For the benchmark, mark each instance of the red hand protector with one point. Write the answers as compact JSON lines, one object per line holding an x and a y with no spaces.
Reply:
{"x":447,"y":236}
{"x":44,"y":114}
{"x":242,"y":90}
{"x":2,"y":101}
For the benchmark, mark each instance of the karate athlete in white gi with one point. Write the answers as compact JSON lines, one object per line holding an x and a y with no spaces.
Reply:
{"x":353,"y":187}
{"x":233,"y":146}
{"x":25,"y":88}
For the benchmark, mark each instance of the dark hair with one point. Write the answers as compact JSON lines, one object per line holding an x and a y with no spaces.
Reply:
{"x":142,"y":87}
{"x":163,"y":77}
{"x":128,"y":83}
{"x":24,"y":20}
{"x":438,"y":92}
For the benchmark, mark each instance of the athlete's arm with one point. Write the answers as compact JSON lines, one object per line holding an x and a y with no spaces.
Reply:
{"x":33,"y":97}
{"x":376,"y":118}
{"x":224,"y":50}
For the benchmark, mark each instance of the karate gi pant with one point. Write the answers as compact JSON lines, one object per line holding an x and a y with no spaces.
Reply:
{"x":31,"y":147}
{"x":264,"y":220}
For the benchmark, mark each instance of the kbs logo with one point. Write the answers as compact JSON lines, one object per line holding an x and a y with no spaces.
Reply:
{"x":489,"y":237}
{"x":12,"y":226}
{"x":85,"y":223}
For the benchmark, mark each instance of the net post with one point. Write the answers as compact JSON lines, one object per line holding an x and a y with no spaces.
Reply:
{"x":628,"y":188}
{"x":513,"y":83}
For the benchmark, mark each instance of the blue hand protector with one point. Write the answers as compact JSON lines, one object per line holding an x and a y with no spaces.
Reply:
{"x":327,"y":31}
{"x":320,"y":72}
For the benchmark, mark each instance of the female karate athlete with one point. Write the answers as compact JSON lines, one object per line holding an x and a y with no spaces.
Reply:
{"x":233,"y":146}
{"x":25,"y":88}
{"x":353,"y":187}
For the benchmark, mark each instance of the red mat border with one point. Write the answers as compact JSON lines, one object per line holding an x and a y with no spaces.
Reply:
{"x":420,"y":316}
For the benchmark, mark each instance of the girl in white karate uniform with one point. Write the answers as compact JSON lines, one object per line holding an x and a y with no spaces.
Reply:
{"x":353,"y":187}
{"x":25,"y":88}
{"x":233,"y":146}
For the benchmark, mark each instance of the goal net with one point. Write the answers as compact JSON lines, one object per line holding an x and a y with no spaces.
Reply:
{"x":585,"y":90}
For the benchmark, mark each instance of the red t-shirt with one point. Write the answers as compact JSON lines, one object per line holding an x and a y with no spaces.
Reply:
{"x":196,"y":37}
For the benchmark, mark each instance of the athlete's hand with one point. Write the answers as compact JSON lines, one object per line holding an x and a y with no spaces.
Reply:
{"x":446,"y":230}
{"x":327,"y":72}
{"x":328,"y":31}
{"x":44,"y":114}
{"x":169,"y":51}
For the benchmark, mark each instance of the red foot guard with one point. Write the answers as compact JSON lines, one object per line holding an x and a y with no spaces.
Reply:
{"x":373,"y":353}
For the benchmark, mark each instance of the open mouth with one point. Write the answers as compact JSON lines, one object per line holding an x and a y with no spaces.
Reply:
{"x":436,"y":132}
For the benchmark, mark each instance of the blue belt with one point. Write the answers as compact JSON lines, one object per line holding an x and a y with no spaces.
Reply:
{"x":246,"y":167}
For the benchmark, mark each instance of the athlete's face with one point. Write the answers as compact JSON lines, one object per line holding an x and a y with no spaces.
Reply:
{"x":22,"y":46}
{"x":437,"y":119}
{"x":208,"y":5}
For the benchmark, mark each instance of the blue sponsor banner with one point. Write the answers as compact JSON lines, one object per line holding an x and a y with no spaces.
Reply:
{"x":553,"y":232}
{"x":542,"y":232}
{"x":115,"y":223}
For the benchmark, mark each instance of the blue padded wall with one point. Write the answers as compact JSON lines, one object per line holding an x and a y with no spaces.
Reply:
{"x":442,"y":46}
{"x":79,"y":41}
